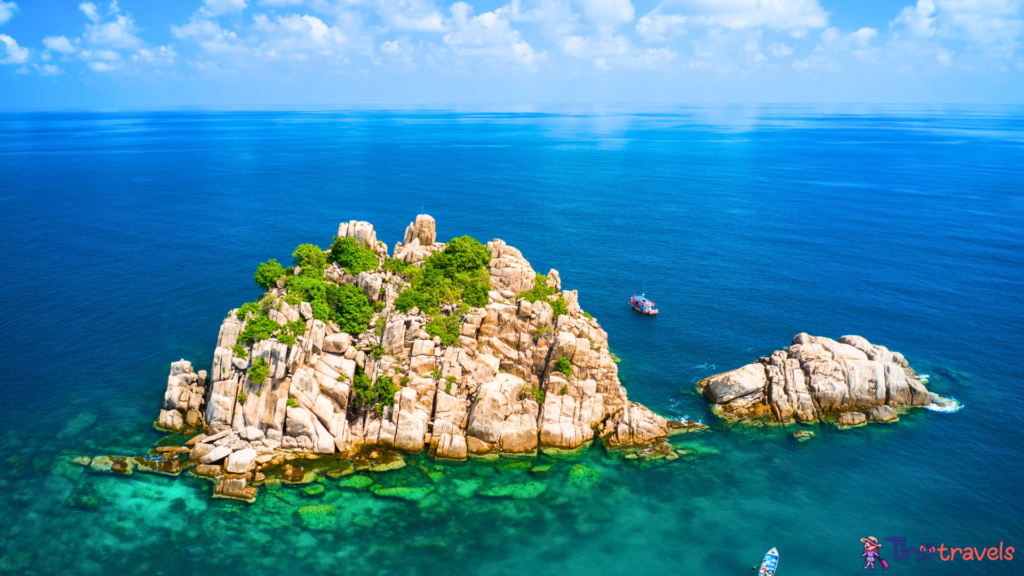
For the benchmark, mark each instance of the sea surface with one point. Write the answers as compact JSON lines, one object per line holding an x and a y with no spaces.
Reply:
{"x":127,"y":236}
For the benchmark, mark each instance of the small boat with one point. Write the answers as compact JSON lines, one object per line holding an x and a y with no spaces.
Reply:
{"x":770,"y":563}
{"x":642,"y":304}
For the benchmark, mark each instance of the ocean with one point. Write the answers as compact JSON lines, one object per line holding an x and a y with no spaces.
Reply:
{"x":127,"y":236}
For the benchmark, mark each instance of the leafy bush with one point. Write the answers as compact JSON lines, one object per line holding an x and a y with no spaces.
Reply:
{"x":268,"y":273}
{"x":397,"y":266}
{"x":292,"y":403}
{"x":405,"y":381}
{"x":351,"y":310}
{"x":321,"y":311}
{"x":259,"y":371}
{"x":542,"y":331}
{"x":245,"y":309}
{"x":311,"y":259}
{"x":588,"y":316}
{"x":286,"y":339}
{"x":457,"y":273}
{"x":564,"y":366}
{"x":241,"y":398}
{"x":353,"y":256}
{"x":376,"y":394}
{"x":435,"y":373}
{"x":445,"y":327}
{"x":259,"y":328}
{"x":560,"y":307}
{"x":342,"y":378}
{"x":296,"y":327}
{"x":239,"y":351}
{"x":563,"y":390}
{"x":307,"y":288}
{"x":377,"y":351}
{"x":532,"y":390}
{"x":448,"y":384}
{"x":540,"y":290}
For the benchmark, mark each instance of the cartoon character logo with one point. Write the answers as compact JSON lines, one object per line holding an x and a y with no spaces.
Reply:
{"x":870,"y":554}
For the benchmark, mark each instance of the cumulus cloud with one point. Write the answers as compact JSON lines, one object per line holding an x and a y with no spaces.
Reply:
{"x":411,"y":15}
{"x":489,"y":34}
{"x":221,"y":7}
{"x":59,"y":44}
{"x":297,"y":37}
{"x":995,"y":25}
{"x":210,"y":37}
{"x":673,"y":17}
{"x":834,"y":45}
{"x":610,"y":51}
{"x":13,"y":54}
{"x":49,"y":70}
{"x":6,"y":11}
{"x":120,"y":32}
{"x":607,"y":13}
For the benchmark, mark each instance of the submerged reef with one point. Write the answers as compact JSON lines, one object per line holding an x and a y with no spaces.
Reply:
{"x":461,"y":350}
{"x":852,"y":381}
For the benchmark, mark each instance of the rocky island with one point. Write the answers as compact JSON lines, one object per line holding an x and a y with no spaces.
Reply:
{"x":459,"y":349}
{"x":851,"y":381}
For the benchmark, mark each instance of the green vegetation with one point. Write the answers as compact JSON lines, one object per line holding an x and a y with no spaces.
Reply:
{"x":456,"y":274}
{"x":311,"y":259}
{"x":563,"y":390}
{"x":292,"y":403}
{"x":296,"y":327}
{"x":353,"y":256}
{"x":351,"y":309}
{"x":446,"y":327}
{"x":405,"y":381}
{"x":376,"y":394}
{"x":448,"y":385}
{"x":564,"y":366}
{"x":540,"y":290}
{"x":532,"y":390}
{"x":377,"y":351}
{"x":588,"y":316}
{"x":241,"y":398}
{"x":268,"y":273}
{"x":397,"y":266}
{"x":542,"y":331}
{"x":435,"y":373}
{"x":259,"y":328}
{"x":258,"y":372}
{"x":560,"y":307}
{"x":239,"y":351}
{"x":342,"y":378}
{"x":245,"y":309}
{"x":286,"y":339}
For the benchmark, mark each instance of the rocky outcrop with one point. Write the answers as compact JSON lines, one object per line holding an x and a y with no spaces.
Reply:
{"x":819,"y":377}
{"x":518,"y":380}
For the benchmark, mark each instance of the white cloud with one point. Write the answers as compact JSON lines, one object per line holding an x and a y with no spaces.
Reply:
{"x":608,"y":51}
{"x":58,"y":44}
{"x":6,"y":11}
{"x":14,"y":54}
{"x":412,"y":15}
{"x":996,"y":24}
{"x":49,"y":70}
{"x":297,"y":37}
{"x":488,"y":34}
{"x":163,"y":55}
{"x":210,"y":37}
{"x":280,"y":3}
{"x":554,"y":16}
{"x":607,"y":13}
{"x":672,"y":17}
{"x":90,"y":10}
{"x":834,"y":46}
{"x":221,"y":7}
{"x":780,"y":49}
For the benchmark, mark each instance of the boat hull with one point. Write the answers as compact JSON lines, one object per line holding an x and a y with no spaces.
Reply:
{"x":639,"y":309}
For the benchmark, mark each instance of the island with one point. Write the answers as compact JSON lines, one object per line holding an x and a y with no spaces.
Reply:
{"x":459,"y":349}
{"x":850,"y":381}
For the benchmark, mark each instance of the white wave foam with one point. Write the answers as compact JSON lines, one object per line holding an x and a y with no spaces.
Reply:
{"x":706,"y":366}
{"x":923,"y":378}
{"x":940,"y":404}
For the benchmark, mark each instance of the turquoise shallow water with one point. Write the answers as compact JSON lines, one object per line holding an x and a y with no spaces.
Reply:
{"x":128,"y":236}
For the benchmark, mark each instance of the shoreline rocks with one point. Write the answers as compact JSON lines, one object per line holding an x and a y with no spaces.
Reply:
{"x":819,"y":378}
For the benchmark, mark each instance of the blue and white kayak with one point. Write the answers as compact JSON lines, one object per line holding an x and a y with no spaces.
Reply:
{"x":770,"y":563}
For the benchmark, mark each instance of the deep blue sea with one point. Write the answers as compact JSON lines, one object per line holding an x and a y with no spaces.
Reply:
{"x":127,"y":236}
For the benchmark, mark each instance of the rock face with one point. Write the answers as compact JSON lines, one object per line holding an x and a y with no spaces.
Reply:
{"x":816,"y":377}
{"x":498,"y":389}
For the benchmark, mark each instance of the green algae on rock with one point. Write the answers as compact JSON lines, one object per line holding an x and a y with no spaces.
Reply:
{"x":358,"y":482}
{"x":413,"y":493}
{"x":318,"y":517}
{"x":518,"y":491}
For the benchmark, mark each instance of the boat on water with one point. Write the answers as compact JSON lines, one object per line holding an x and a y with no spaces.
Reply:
{"x":642,"y":304}
{"x":770,"y":563}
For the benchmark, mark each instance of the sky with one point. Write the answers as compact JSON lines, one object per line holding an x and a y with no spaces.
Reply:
{"x":252,"y":53}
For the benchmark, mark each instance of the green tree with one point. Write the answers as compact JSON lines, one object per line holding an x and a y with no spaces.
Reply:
{"x":350,"y":308}
{"x":258,"y":372}
{"x":310,"y":258}
{"x":259,"y":328}
{"x":268,"y":273}
{"x":353,"y":256}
